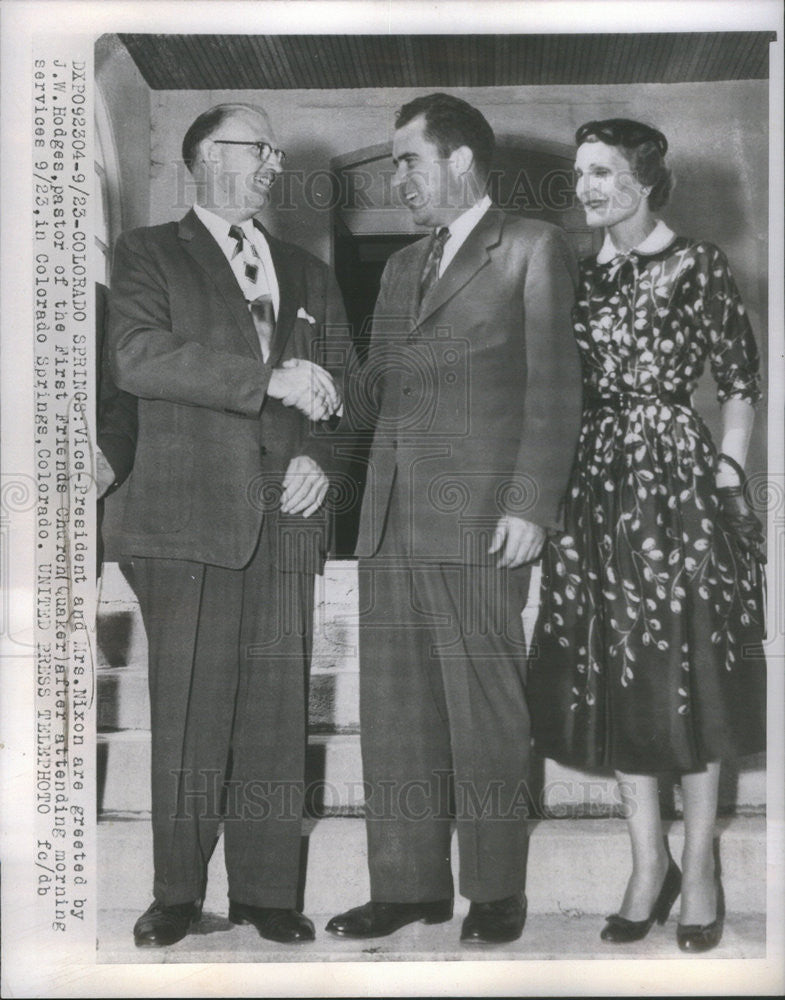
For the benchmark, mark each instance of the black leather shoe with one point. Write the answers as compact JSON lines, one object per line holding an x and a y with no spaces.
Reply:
{"x":495,"y":922}
{"x":161,"y":925}
{"x":620,"y":930}
{"x":378,"y":919}
{"x":703,"y":937}
{"x":286,"y":926}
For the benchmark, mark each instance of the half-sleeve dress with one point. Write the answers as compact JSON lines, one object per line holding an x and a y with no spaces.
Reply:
{"x":648,"y":651}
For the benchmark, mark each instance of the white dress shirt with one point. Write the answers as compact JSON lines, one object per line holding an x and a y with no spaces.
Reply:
{"x":460,"y":229}
{"x":266,"y":281}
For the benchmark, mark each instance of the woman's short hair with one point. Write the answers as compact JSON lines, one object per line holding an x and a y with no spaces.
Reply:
{"x":644,"y":148}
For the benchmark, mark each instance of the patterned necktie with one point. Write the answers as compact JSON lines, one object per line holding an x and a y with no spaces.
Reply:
{"x":430,"y":273}
{"x":263,"y":315}
{"x":251,"y":270}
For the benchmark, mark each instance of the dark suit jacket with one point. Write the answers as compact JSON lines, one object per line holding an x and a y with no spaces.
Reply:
{"x":477,"y":394}
{"x":116,"y":416}
{"x":212,"y":447}
{"x":116,"y":419}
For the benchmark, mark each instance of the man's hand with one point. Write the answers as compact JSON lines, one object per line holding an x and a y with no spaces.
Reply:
{"x":104,"y":473}
{"x":519,"y":541}
{"x":304,"y":487}
{"x":306,"y":386}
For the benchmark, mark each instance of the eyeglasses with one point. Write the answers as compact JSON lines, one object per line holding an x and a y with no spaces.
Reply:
{"x":263,"y":149}
{"x":622,"y":132}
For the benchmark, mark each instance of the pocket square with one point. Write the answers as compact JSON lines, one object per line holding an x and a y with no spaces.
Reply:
{"x":302,"y":314}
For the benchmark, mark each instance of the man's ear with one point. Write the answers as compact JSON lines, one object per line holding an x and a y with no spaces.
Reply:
{"x":208,"y":151}
{"x":462,"y":160}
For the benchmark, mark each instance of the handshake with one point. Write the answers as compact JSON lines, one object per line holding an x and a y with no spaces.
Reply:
{"x":306,"y":386}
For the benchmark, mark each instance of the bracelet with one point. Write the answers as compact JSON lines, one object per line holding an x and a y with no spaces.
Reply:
{"x":722,"y":457}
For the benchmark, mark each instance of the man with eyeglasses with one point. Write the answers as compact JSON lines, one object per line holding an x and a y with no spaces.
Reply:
{"x":221,"y":330}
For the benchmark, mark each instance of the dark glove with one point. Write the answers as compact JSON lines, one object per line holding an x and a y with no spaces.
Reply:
{"x":737,"y":517}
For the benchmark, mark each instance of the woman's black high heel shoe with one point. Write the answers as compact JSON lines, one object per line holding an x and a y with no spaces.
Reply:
{"x":703,"y":937}
{"x":619,"y":930}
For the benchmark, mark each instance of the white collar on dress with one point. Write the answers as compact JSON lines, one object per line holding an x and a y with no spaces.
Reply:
{"x":657,"y":240}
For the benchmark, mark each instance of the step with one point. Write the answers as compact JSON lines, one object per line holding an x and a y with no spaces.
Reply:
{"x":124,"y":703}
{"x":334,"y":777}
{"x":333,"y":773}
{"x":561,"y":791}
{"x":122,"y":642}
{"x":546,"y":938}
{"x":334,"y":758}
{"x":574,"y":867}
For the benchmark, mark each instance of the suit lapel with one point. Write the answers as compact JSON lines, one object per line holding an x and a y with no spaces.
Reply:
{"x":407,"y":284}
{"x":470,"y":258}
{"x":291,"y":295}
{"x":205,"y":251}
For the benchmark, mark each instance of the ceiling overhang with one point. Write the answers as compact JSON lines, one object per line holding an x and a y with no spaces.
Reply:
{"x":294,"y":62}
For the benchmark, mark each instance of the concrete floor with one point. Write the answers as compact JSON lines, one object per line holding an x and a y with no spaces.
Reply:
{"x":546,"y":936}
{"x":575,"y":875}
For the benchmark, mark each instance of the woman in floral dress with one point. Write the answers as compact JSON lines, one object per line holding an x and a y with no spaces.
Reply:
{"x":649,"y":655}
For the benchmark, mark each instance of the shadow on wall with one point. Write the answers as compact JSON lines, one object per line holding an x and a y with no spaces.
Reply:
{"x":710,"y":191}
{"x":304,"y":198}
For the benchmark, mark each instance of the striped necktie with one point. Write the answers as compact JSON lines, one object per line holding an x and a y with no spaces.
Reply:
{"x":430,"y":272}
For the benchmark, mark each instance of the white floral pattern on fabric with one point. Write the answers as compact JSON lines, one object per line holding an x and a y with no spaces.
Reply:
{"x":649,"y":608}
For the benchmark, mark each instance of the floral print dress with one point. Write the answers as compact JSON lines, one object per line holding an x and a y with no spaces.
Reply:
{"x":648,"y":653}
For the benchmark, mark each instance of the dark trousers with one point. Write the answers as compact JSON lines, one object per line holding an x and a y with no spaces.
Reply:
{"x":228,"y":660}
{"x":444,"y":724}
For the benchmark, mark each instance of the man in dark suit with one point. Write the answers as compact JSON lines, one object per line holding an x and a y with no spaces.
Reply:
{"x":219,"y":329}
{"x":473,"y":380}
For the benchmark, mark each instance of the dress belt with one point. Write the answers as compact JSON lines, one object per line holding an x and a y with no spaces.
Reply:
{"x":621,"y":400}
